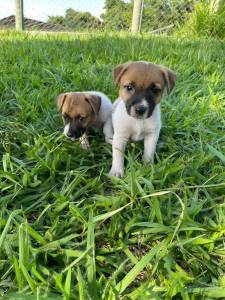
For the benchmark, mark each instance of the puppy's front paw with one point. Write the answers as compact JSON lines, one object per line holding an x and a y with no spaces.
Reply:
{"x":148,"y":159}
{"x":84,"y":142}
{"x":116,"y":172}
{"x":85,"y":145}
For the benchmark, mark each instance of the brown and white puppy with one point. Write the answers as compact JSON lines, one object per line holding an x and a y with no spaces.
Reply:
{"x":82,"y":110}
{"x":136,"y":113}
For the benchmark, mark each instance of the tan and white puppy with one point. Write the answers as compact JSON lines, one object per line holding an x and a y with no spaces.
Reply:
{"x":136,"y":113}
{"x":82,"y":110}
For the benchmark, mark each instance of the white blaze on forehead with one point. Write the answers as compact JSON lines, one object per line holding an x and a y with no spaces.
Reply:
{"x":66,"y":129}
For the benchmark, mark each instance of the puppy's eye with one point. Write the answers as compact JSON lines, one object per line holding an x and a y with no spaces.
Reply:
{"x":82,"y":118}
{"x":66,"y":117}
{"x":129,"y":87}
{"x":155,"y":89}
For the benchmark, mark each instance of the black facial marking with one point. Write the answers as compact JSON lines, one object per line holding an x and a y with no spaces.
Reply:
{"x":151,"y":105}
{"x":155,"y":89}
{"x":66,"y":118}
{"x":138,"y":97}
{"x":75,"y":129}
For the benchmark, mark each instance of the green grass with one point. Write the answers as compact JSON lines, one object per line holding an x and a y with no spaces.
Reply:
{"x":68,"y":230}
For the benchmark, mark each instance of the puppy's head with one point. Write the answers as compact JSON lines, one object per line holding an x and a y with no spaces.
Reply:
{"x":141,"y":86}
{"x":79,"y":111}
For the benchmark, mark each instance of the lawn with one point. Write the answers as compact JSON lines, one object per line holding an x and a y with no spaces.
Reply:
{"x":70,"y":231}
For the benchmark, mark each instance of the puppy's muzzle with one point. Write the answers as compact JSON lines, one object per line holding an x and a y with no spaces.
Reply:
{"x":140,"y":110}
{"x":74,"y":133}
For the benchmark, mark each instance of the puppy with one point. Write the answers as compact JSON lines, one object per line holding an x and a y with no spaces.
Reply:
{"x":136,"y":113}
{"x":82,"y":110}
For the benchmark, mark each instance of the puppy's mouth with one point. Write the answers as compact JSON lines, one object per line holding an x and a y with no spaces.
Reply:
{"x":72,"y":138}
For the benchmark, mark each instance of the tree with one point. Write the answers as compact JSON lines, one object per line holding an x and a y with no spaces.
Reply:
{"x":117,"y":15}
{"x":76,"y":20}
{"x":56,"y":20}
{"x":80,"y":20}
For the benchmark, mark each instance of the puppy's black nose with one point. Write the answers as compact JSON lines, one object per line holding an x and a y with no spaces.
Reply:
{"x":140,"y":110}
{"x":69,"y":134}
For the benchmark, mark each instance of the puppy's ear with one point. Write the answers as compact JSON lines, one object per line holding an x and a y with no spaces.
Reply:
{"x":94,"y":101}
{"x":170,"y":79}
{"x":60,"y":101}
{"x":118,"y":71}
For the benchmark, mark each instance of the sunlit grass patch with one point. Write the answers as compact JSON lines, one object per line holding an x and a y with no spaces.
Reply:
{"x":67,"y":229}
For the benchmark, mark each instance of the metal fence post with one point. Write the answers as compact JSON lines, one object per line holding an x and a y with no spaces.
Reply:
{"x":137,"y":13}
{"x":19,"y":15}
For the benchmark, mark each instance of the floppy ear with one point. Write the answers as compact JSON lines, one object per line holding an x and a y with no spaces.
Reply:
{"x":118,"y":71}
{"x":95,"y":102}
{"x":170,"y":79}
{"x":60,"y":101}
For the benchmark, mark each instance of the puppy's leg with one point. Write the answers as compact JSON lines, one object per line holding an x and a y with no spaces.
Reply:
{"x":84,"y":141}
{"x":150,"y":142}
{"x":118,"y":148}
{"x":108,"y":131}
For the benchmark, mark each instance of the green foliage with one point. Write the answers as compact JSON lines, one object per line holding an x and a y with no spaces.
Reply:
{"x":156,"y":14}
{"x":67,"y":229}
{"x":161,"y":13}
{"x":56,"y":20}
{"x":78,"y":20}
{"x":75,"y":20}
{"x":207,"y":20}
{"x":117,"y":15}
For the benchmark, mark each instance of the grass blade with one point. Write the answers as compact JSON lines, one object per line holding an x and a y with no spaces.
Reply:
{"x":67,"y":287}
{"x":18,"y":273}
{"x":131,"y":275}
{"x":30,"y":281}
{"x":77,"y":260}
{"x":109,"y":214}
{"x":6,"y":228}
{"x":81,"y":285}
{"x":91,"y":269}
{"x":216,"y":153}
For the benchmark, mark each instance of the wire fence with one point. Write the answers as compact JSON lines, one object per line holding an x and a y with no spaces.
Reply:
{"x":158,"y":16}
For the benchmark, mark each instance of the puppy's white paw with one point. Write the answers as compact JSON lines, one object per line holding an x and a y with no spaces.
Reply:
{"x":116,"y":172}
{"x":84,"y":142}
{"x":85,"y":146}
{"x":148,"y":159}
